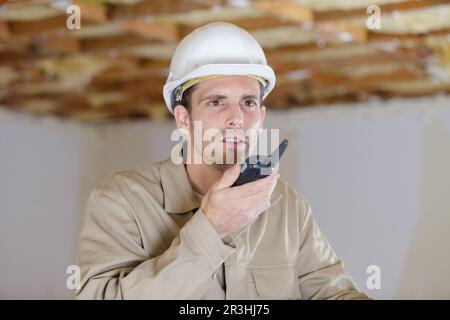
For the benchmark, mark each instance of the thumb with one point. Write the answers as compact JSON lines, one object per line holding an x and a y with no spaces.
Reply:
{"x":229,"y":177}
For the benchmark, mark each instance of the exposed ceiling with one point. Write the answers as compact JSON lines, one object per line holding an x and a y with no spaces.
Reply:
{"x":114,"y":67}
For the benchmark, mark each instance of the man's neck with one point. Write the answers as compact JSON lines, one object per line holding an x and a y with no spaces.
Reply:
{"x":202,"y":176}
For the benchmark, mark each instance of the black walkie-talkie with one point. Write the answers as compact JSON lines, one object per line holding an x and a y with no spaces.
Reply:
{"x":259,"y":166}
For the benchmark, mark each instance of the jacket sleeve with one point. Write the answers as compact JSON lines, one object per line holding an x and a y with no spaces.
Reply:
{"x":321,"y":273}
{"x":114,"y":264}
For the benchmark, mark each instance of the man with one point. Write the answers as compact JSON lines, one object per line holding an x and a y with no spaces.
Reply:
{"x":182,"y":231}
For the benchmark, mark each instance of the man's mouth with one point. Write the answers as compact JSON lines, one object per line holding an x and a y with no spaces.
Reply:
{"x":233,"y":140}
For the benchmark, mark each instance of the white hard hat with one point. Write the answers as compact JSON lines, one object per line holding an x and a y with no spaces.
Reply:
{"x":216,"y":49}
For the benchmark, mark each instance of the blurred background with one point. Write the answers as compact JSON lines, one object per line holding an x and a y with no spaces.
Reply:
{"x":362,"y":95}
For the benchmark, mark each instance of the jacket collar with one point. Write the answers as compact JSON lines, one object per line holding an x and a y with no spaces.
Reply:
{"x":179,"y":197}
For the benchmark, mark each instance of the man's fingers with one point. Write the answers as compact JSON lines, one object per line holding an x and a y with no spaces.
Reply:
{"x":255,"y":205}
{"x":257,"y":186}
{"x":255,"y":198}
{"x":229,"y":177}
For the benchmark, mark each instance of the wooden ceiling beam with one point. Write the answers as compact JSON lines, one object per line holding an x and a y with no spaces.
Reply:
{"x":113,"y":42}
{"x":4,"y":31}
{"x":408,"y":37}
{"x":14,"y":56}
{"x":56,"y":43}
{"x":152,"y":8}
{"x":367,"y":83}
{"x":91,"y":10}
{"x":388,"y":8}
{"x":307,"y":93}
{"x":412,"y":87}
{"x":286,"y":9}
{"x":249,"y":23}
{"x":352,"y":54}
{"x":34,"y":27}
{"x":149,"y":86}
{"x":152,"y":29}
{"x":334,"y":32}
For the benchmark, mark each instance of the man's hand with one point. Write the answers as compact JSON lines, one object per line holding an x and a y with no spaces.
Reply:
{"x":228,"y":209}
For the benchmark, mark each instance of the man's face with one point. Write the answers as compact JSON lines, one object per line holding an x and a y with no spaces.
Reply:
{"x":228,"y":107}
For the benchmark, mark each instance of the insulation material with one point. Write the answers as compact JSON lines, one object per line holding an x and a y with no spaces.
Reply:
{"x":115,"y":65}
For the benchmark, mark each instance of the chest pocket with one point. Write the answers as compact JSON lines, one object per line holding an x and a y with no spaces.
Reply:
{"x":274,"y":283}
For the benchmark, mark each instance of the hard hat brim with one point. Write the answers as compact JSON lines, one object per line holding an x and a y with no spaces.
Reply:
{"x":263,"y":71}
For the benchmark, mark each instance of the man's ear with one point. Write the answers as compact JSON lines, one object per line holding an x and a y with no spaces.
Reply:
{"x":182,"y":117}
{"x":263,"y":116}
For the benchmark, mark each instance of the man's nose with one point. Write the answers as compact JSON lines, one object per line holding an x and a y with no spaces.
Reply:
{"x":236,"y":116}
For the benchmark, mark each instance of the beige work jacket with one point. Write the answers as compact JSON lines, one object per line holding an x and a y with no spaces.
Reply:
{"x":143,"y":236}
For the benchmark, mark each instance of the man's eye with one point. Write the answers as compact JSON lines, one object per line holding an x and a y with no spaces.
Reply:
{"x":213,"y":103}
{"x":250,"y":103}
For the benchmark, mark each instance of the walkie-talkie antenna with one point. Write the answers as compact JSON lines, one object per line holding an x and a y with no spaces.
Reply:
{"x":275,"y":156}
